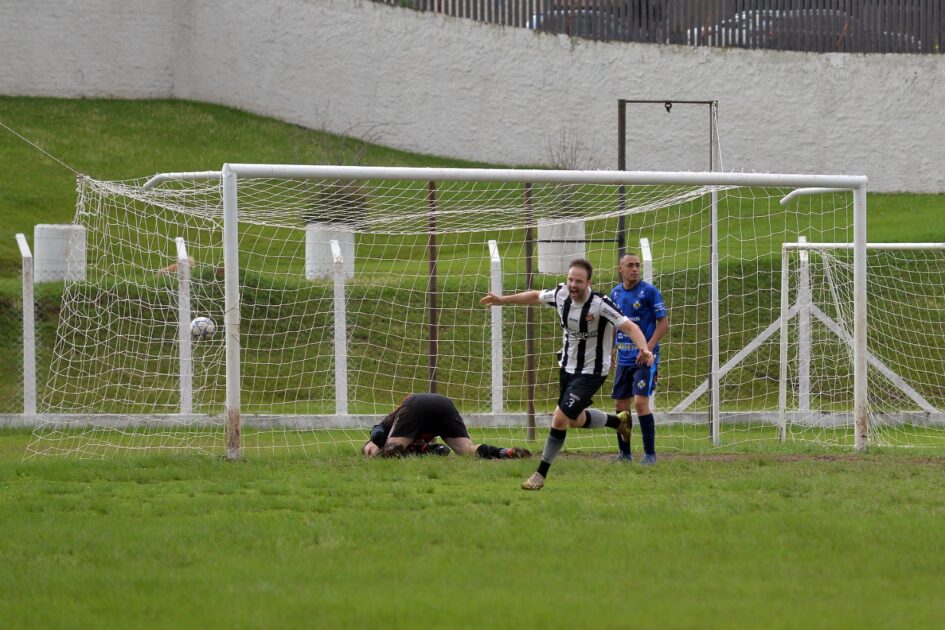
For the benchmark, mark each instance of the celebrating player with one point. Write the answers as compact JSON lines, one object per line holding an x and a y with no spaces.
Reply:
{"x":410,"y":428}
{"x":588,"y":320}
{"x":643,"y":304}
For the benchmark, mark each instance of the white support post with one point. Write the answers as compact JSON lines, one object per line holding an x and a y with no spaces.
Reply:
{"x":783,"y":362}
{"x":715,"y":409}
{"x":646,"y":260}
{"x":29,"y":329}
{"x":646,"y":271}
{"x":495,"y":266}
{"x":860,"y":406}
{"x":231,"y":312}
{"x":341,"y":329}
{"x":183,"y":334}
{"x":804,"y":301}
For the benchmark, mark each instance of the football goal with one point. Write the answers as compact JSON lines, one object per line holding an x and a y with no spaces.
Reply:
{"x":335,"y":291}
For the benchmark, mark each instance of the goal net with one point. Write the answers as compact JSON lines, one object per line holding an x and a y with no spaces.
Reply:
{"x":906,"y":297}
{"x":339,"y":290}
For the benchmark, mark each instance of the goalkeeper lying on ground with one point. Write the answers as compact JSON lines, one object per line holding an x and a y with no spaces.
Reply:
{"x":409,"y":429}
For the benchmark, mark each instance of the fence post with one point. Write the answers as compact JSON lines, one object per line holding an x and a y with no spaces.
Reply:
{"x":646,"y":271}
{"x":341,"y":328}
{"x":29,"y":329}
{"x":783,"y":347}
{"x":496,"y":312}
{"x":183,"y":334}
{"x":804,"y":301}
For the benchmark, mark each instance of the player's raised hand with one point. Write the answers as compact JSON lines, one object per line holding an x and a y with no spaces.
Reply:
{"x":491,"y":299}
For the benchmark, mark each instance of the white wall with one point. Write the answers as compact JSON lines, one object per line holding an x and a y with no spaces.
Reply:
{"x":454,"y":87}
{"x":76,"y":48}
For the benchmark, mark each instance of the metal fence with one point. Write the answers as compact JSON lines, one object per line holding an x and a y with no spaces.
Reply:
{"x":867,"y":26}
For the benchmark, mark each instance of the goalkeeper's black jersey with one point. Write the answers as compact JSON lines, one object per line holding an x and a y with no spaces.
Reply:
{"x":423,"y":416}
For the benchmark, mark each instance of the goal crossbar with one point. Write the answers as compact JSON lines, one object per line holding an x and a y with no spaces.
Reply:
{"x":706,"y":178}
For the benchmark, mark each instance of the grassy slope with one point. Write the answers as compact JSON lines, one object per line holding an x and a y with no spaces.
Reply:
{"x":123,"y":139}
{"x":115,"y":140}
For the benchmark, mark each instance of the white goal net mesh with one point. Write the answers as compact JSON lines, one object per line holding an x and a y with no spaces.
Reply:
{"x":906,"y":297}
{"x":416,"y":261}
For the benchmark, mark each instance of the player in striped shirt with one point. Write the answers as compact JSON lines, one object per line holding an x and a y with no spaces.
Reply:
{"x":588,"y":321}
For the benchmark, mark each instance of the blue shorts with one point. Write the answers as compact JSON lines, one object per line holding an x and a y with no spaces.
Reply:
{"x":634,"y":380}
{"x":576,"y":391}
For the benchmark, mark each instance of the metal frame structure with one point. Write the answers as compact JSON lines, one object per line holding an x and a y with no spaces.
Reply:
{"x":714,"y":343}
{"x":804,"y":310}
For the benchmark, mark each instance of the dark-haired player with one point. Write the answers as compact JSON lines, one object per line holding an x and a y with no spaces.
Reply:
{"x":588,"y":321}
{"x":643,"y":304}
{"x":420,"y":418}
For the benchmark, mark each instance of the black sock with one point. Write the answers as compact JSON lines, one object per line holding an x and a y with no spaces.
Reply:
{"x":553,"y":444}
{"x":612,"y":421}
{"x":623,"y":446}
{"x":648,"y":432}
{"x":486,"y":451}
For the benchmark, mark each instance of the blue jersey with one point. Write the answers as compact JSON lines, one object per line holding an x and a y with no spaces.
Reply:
{"x":643,"y":305}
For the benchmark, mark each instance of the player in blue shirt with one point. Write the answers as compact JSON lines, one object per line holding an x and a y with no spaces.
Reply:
{"x":641,"y":303}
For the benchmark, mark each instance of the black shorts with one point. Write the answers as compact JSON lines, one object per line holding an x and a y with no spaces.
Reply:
{"x":576,"y":392}
{"x":426,"y":416}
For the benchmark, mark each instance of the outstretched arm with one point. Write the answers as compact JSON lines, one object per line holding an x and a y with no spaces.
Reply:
{"x":525,"y":297}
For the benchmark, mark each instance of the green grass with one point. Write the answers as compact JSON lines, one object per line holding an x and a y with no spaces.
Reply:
{"x":754,"y":534}
{"x":736,"y":540}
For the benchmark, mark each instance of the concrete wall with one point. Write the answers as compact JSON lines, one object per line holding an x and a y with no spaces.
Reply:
{"x":76,"y":48}
{"x":453,"y":87}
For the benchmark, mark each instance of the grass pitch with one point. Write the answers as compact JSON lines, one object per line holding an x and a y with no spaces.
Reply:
{"x":733,"y":540}
{"x":762,"y":538}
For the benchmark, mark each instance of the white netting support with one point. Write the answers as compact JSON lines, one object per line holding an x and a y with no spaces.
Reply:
{"x":324,"y":352}
{"x":906,"y":294}
{"x":29,"y":328}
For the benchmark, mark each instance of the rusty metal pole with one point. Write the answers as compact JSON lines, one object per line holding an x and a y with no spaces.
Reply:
{"x":621,"y":190}
{"x":529,"y":314}
{"x":431,"y":285}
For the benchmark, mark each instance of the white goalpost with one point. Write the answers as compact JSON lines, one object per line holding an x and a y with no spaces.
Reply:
{"x":309,"y":356}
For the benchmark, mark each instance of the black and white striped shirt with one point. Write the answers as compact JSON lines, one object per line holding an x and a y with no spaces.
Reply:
{"x":588,"y":330}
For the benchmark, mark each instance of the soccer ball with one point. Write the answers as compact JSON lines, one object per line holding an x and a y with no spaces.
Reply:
{"x":202,"y":327}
